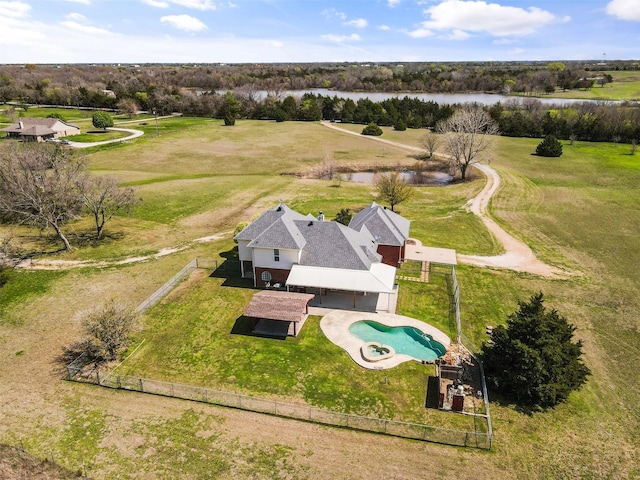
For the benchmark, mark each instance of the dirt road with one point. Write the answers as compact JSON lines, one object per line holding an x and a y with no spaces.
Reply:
{"x":518,"y":256}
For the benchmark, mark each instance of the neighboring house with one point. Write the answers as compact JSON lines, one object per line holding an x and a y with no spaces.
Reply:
{"x":389,"y":229}
{"x":40,"y":129}
{"x":283,"y":247}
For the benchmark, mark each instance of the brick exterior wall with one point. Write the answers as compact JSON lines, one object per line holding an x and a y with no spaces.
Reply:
{"x":277,"y":276}
{"x":391,"y":255}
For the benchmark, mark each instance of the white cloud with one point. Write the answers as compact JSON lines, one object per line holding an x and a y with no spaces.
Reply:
{"x":354,"y":37}
{"x":385,"y":28}
{"x":78,"y":27}
{"x":156,"y":3}
{"x":420,"y":33}
{"x":458,"y":35}
{"x":357,"y":23}
{"x":625,"y":9}
{"x":76,"y":17}
{"x":14,"y":9}
{"x":84,"y":2}
{"x":195,"y":4}
{"x":392,"y":3}
{"x":333,"y":13}
{"x":184,"y":22}
{"x":492,"y":18}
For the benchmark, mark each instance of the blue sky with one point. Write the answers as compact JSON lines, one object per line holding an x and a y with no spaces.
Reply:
{"x":229,"y":31}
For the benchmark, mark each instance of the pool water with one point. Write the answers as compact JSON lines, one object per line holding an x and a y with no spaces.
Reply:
{"x":407,"y":340}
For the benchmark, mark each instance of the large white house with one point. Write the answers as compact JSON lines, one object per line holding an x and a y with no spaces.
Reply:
{"x":285,"y":248}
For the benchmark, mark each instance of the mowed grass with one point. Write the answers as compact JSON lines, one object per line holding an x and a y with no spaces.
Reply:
{"x":97,"y":136}
{"x":198,"y":336}
{"x":578,"y":211}
{"x":625,"y":86}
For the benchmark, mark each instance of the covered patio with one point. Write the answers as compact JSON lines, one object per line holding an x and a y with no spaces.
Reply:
{"x":276,"y":313}
{"x":365,"y":290}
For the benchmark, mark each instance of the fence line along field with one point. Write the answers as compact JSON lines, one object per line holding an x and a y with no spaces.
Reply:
{"x":578,"y":212}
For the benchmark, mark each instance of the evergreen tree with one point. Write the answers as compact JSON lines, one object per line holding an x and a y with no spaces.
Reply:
{"x":400,"y":125}
{"x":549,"y":147}
{"x":344,"y":216}
{"x":533,"y":360}
{"x":372,"y":129}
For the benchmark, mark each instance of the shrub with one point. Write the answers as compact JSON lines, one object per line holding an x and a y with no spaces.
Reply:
{"x":108,"y":328}
{"x":372,"y":129}
{"x":400,"y":125}
{"x":549,"y":147}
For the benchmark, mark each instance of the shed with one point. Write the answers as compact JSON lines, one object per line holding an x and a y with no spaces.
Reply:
{"x":288,"y":309}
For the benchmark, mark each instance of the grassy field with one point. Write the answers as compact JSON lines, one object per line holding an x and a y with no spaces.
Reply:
{"x":625,"y":86}
{"x":578,"y":211}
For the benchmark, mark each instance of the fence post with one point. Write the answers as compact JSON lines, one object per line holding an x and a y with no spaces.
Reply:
{"x":141,"y":387}
{"x":118,"y":379}
{"x":98,"y":377}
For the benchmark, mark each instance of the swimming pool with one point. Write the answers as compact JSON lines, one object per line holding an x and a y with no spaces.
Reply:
{"x":405,"y":340}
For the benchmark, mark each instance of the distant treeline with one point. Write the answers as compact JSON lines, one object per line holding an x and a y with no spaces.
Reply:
{"x":193,"y":90}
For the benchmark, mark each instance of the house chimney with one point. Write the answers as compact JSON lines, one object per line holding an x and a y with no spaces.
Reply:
{"x":20,"y":125}
{"x":320,"y":216}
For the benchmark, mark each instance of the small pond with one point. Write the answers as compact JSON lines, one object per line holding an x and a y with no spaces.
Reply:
{"x":414,"y":178}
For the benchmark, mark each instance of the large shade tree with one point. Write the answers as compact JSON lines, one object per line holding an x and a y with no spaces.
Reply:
{"x":102,"y":120}
{"x":534,"y":360}
{"x":467,"y":136}
{"x":38,"y":186}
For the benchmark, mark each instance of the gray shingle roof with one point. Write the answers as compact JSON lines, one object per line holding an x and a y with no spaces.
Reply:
{"x":332,"y":245}
{"x":267,"y":220}
{"x":387,"y":227}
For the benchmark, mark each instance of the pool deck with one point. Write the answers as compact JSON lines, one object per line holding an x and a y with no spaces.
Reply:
{"x":335,"y":325}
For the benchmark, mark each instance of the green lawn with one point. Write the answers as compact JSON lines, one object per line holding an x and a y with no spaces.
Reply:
{"x":579,"y":212}
{"x":198,"y":336}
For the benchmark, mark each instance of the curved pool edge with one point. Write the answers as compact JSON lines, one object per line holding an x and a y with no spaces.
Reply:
{"x":335,"y":326}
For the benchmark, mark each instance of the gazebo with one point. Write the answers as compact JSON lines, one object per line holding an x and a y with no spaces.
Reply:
{"x":278,"y":313}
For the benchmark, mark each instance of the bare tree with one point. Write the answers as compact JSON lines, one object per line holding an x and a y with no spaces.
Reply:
{"x":104,"y":198}
{"x":392,"y":188}
{"x":430,"y":142}
{"x":38,"y":186}
{"x":467,"y":135}
{"x":128,"y":106}
{"x":108,"y":328}
{"x":634,"y":146}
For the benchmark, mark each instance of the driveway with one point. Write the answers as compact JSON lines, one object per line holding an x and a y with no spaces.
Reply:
{"x":133,"y":134}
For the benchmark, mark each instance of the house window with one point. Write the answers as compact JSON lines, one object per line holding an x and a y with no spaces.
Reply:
{"x":266,"y":276}
{"x":276,"y":254}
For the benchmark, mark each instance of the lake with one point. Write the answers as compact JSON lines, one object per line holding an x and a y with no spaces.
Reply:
{"x":440,"y":98}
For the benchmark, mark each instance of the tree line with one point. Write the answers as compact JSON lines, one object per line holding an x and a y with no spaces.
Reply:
{"x":86,"y":84}
{"x":239,"y":92}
